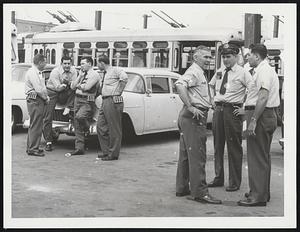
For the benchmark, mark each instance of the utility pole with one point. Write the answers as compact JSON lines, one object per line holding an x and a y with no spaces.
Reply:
{"x":276,"y":26}
{"x":146,"y":20}
{"x":13,"y":17}
{"x":98,"y":18}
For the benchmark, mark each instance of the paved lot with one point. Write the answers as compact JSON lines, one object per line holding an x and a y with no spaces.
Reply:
{"x":140,"y":184}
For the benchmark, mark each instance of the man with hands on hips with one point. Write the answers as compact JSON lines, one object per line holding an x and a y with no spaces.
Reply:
{"x":194,"y":92}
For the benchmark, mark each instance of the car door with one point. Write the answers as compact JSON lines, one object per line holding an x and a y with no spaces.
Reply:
{"x":159,"y":104}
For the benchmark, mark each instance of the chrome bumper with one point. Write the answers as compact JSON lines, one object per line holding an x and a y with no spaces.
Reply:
{"x":65,"y":127}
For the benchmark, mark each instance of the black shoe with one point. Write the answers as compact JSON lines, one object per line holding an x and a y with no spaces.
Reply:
{"x":48,"y":147}
{"x":232,"y":188}
{"x":77,"y":152}
{"x":183,"y":194}
{"x":109,"y":158}
{"x":34,"y":153}
{"x":248,"y":195}
{"x":215,"y":184}
{"x":102,"y":156}
{"x":249,"y":202}
{"x":41,"y":150}
{"x":208,"y":199}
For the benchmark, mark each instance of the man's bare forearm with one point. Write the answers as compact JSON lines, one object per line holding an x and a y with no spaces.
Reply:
{"x":262,"y":100}
{"x":183,"y":94}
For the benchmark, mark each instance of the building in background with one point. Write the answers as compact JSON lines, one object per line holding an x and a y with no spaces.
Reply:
{"x":26,"y":27}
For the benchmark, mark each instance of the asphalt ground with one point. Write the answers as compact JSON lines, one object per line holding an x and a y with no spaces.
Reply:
{"x":140,"y":184}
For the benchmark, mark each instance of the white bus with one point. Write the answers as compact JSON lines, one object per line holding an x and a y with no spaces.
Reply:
{"x":168,"y":49}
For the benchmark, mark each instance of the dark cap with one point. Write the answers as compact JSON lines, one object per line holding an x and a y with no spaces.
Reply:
{"x":229,"y":49}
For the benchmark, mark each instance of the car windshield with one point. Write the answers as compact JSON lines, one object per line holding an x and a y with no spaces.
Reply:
{"x":18,"y":73}
{"x":135,"y":83}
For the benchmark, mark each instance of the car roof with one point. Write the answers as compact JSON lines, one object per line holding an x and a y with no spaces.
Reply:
{"x":145,"y":71}
{"x":151,"y":71}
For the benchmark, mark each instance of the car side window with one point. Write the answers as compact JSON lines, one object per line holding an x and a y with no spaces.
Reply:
{"x":160,"y":85}
{"x":173,"y":85}
{"x":18,"y":74}
{"x":135,"y":83}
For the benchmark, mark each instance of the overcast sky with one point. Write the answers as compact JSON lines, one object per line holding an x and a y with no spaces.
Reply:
{"x":116,"y":16}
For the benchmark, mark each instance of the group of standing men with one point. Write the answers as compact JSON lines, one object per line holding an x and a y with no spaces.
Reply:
{"x":226,"y":93}
{"x":231,"y":87}
{"x":77,"y":91}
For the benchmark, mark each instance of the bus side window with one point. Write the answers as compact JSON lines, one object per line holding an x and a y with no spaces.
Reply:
{"x":48,"y":55}
{"x":139,"y":54}
{"x":53,"y":56}
{"x":160,"y":54}
{"x":102,"y":48}
{"x":120,"y":54}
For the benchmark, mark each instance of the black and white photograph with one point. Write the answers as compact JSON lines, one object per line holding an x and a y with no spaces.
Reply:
{"x":149,"y":115}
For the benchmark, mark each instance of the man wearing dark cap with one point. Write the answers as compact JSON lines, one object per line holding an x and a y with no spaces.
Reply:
{"x":229,"y":84}
{"x":261,"y":120}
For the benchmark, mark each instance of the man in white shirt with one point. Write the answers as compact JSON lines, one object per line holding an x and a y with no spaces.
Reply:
{"x":58,"y":87}
{"x":109,"y":123}
{"x":194,"y":91}
{"x":261,"y":119}
{"x":85,"y":86}
{"x":36,"y":98}
{"x":230,"y":84}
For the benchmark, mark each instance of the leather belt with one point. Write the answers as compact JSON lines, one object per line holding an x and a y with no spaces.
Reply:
{"x":228,"y":104}
{"x":201,"y":108}
{"x":105,"y":97}
{"x":249,"y":107}
{"x":51,"y":90}
{"x":81,"y":96}
{"x":253,"y":108}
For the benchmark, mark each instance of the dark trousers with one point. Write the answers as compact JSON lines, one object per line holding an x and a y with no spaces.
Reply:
{"x":83,"y":113}
{"x":36,"y":112}
{"x":227,"y":127}
{"x":109,"y":127}
{"x":258,"y":155}
{"x":55,"y":97}
{"x":192,"y":154}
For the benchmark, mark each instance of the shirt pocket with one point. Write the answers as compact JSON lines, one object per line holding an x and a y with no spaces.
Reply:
{"x":203,"y":88}
{"x":234,"y":86}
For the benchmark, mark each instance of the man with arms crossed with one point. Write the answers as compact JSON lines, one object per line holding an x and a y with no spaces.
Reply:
{"x":84,"y":104}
